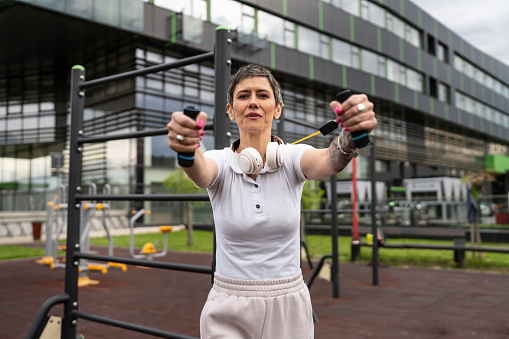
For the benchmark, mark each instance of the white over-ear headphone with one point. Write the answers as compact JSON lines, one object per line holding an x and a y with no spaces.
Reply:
{"x":251,"y":162}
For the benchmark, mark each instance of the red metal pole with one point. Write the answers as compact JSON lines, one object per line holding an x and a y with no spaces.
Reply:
{"x":355,"y":233}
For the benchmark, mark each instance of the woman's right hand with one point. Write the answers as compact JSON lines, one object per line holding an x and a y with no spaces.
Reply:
{"x":184,"y":133}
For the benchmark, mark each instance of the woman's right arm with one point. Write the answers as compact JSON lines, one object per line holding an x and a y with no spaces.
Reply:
{"x":204,"y":170}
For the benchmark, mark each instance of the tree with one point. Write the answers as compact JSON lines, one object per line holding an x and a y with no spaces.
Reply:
{"x":178,"y":183}
{"x":312,"y":195}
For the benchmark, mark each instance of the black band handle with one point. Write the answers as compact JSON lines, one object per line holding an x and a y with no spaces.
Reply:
{"x":187,"y":159}
{"x":360,"y":138}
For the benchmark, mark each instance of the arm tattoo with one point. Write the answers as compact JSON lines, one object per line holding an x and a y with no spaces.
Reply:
{"x":338,"y":159}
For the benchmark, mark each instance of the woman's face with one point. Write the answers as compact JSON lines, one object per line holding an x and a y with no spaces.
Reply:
{"x":254,"y":105}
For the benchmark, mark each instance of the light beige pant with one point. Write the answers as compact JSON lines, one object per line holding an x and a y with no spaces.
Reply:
{"x":268,"y":309}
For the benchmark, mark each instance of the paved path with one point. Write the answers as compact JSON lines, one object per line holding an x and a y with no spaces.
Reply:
{"x":407,"y":303}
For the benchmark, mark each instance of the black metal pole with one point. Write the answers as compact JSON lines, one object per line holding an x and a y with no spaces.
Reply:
{"x":145,"y":263}
{"x":73,"y":213}
{"x":130,"y":326}
{"x":334,"y":236}
{"x":137,"y":134}
{"x":223,"y":70}
{"x":374,"y":216}
{"x":148,"y":70}
{"x":142,"y":197}
{"x":32,"y":332}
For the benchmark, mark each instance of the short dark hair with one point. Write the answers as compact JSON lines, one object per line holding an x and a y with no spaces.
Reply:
{"x":250,"y":71}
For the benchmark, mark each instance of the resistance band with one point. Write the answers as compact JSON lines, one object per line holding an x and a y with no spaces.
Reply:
{"x":325,"y":129}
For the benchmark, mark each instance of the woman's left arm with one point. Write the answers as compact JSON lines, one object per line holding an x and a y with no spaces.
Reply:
{"x":319,"y":163}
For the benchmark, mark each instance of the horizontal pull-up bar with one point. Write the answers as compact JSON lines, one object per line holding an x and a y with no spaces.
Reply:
{"x":129,"y":326}
{"x":145,"y":263}
{"x":127,"y":135}
{"x":143,"y":197}
{"x":148,"y":70}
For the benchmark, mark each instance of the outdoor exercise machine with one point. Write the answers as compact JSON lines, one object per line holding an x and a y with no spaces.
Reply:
{"x":148,"y":251}
{"x":74,"y":253}
{"x":55,"y":214}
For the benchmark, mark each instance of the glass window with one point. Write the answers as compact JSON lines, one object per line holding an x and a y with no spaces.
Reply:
{"x":30,"y":122}
{"x":458,"y":63}
{"x":308,"y":41}
{"x":497,"y":86}
{"x":324,"y":46}
{"x":488,"y":113}
{"x":107,"y":12}
{"x":155,"y":58}
{"x":369,"y":61}
{"x":341,"y":53}
{"x":14,"y":107}
{"x":478,"y":75}
{"x":22,"y":169}
{"x":395,"y":25}
{"x":30,"y":108}
{"x":350,"y":6}
{"x":192,"y":29}
{"x":14,"y":124}
{"x":443,"y":92}
{"x":153,"y":102}
{"x":53,"y":4}
{"x":81,"y":8}
{"x":489,"y":81}
{"x":354,"y":57}
{"x":414,"y":80}
{"x":154,"y":84}
{"x":39,"y":167}
{"x":173,"y":88}
{"x":289,"y":34}
{"x":131,"y":14}
{"x":9,"y":169}
{"x":206,"y":95}
{"x":230,"y":18}
{"x":382,"y":69}
{"x":248,"y":19}
{"x":468,"y":69}
{"x":191,"y":91}
{"x":440,"y":52}
{"x":47,"y":121}
{"x":194,"y":8}
{"x":271,"y":27}
{"x":413,"y":36}
{"x":373,"y":13}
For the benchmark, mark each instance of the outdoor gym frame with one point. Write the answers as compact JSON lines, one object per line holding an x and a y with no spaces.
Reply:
{"x":221,"y":57}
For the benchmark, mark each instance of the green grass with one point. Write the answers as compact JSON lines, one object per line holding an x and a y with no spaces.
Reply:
{"x":318,"y":245}
{"x":8,"y":252}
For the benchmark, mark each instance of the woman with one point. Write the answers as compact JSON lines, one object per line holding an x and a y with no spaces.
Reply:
{"x":255,"y":188}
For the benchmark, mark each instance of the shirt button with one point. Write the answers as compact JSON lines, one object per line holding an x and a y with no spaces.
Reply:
{"x":256,"y":185}
{"x":257,"y":206}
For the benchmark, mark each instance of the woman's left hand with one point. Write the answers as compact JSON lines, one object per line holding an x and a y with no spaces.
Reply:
{"x":355,"y":114}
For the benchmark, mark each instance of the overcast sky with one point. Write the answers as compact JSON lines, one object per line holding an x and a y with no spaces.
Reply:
{"x":484,"y":24}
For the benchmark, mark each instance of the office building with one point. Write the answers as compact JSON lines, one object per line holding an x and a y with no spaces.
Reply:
{"x":442,"y":104}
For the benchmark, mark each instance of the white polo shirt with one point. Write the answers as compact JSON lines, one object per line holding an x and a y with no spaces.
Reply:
{"x":257,"y":222}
